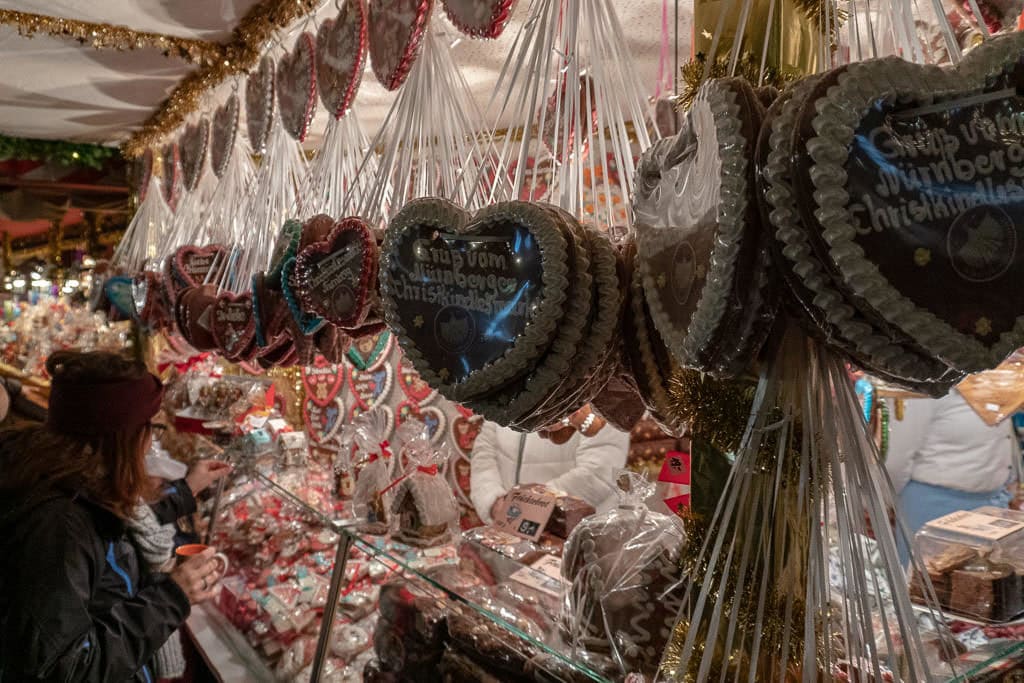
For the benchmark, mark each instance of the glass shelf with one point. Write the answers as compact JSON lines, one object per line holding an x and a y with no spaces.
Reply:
{"x":549,"y":657}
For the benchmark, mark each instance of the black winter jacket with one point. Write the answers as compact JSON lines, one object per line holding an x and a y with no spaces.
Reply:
{"x":75,"y":603}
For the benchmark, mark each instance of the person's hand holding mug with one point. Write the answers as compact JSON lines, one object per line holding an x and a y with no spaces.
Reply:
{"x":199,"y":569}
{"x":205,"y":472}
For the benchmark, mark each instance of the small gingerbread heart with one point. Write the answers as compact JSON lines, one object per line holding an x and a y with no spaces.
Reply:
{"x":193,"y":144}
{"x":323,"y":420}
{"x":233,"y":326}
{"x":413,"y":385}
{"x":464,"y":430}
{"x":335,"y":276}
{"x":323,"y":380}
{"x":222,"y":135}
{"x":196,"y":316}
{"x":190,"y":266}
{"x":431,"y":417}
{"x":370,"y":351}
{"x":479,"y":18}
{"x":259,"y":104}
{"x":371,"y":388}
{"x":296,"y":87}
{"x":396,"y":31}
{"x":142,"y":173}
{"x":341,"y":56}
{"x":171,"y":181}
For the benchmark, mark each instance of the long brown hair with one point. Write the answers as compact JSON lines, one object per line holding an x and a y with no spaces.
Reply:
{"x":108,"y":469}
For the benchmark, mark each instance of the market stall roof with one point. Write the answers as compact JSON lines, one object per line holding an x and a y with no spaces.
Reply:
{"x":59,"y":88}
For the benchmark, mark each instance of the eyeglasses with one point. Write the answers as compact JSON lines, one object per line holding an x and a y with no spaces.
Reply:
{"x":157,"y":427}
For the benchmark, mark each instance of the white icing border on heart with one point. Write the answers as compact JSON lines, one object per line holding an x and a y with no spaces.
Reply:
{"x":838,"y":115}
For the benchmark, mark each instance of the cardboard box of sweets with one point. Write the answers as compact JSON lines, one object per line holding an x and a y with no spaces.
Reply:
{"x":975,"y":561}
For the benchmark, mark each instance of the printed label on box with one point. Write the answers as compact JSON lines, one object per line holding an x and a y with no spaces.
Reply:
{"x":525,"y":513}
{"x":977,"y":524}
{"x":544,"y":575}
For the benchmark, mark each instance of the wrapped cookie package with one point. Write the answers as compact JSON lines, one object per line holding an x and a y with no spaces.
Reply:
{"x":975,"y":563}
{"x":623,"y":574}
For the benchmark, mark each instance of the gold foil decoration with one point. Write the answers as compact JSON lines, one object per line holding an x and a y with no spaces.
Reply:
{"x":112,"y":37}
{"x":240,"y":54}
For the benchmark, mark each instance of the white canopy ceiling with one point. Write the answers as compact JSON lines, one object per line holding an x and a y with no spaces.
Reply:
{"x":57,"y":88}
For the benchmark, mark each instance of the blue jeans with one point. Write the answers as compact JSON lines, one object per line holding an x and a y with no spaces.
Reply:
{"x":921,"y":503}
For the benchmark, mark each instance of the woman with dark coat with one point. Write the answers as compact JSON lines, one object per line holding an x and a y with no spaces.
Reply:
{"x":76,"y":603}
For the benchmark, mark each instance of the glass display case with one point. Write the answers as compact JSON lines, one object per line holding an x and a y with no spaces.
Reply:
{"x":310,"y":597}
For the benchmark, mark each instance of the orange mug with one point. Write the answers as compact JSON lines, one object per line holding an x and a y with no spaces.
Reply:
{"x":186,"y":551}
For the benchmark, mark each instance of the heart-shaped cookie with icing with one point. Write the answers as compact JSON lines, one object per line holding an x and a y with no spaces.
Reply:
{"x":341,"y":56}
{"x":474,"y":304}
{"x":190,"y":265}
{"x":918,"y":199}
{"x":233,"y":325}
{"x":370,"y":351}
{"x":479,"y":18}
{"x":170,"y":182}
{"x":413,"y":385}
{"x":335,"y":276}
{"x":193,"y":144}
{"x":395,"y":33}
{"x":431,"y":417}
{"x":149,"y":297}
{"x":259,"y":103}
{"x":296,"y":86}
{"x":195,"y":308}
{"x":222,"y":135}
{"x":371,"y":388}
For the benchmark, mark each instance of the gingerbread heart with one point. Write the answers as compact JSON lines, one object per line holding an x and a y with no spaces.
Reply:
{"x":306,"y":321}
{"x":370,"y":351}
{"x":190,"y":265}
{"x":335,"y":277}
{"x":195,"y":316}
{"x":479,"y":18}
{"x":193,"y":145}
{"x":323,"y":421}
{"x":561,"y":119}
{"x":341,"y":56}
{"x":259,"y":104}
{"x":323,"y":380}
{"x":371,"y":388}
{"x":149,"y":299}
{"x":233,"y":325}
{"x":431,"y":417}
{"x":473,"y":306}
{"x":222,"y":135}
{"x":395,"y":33}
{"x":464,"y":430}
{"x":142,"y":173}
{"x":296,"y":86}
{"x":170,"y":182}
{"x":286,"y":247}
{"x":413,"y":385}
{"x":918,"y":199}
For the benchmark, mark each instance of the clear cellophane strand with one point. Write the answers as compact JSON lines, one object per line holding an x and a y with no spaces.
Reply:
{"x":430,"y":143}
{"x":146,"y":231}
{"x":798,"y":576}
{"x":188,"y":225}
{"x":570,"y":73}
{"x":335,"y":171}
{"x":274,"y":196}
{"x":224,"y":220}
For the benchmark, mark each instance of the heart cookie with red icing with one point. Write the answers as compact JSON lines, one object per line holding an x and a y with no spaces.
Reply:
{"x":233,"y":325}
{"x":479,"y":18}
{"x":296,"y":87}
{"x":413,"y":385}
{"x":464,"y":430}
{"x":222,"y":135}
{"x":193,"y":144}
{"x":335,"y":277}
{"x":396,"y":31}
{"x":341,"y":56}
{"x":371,"y":388}
{"x":259,"y":103}
{"x":431,"y":417}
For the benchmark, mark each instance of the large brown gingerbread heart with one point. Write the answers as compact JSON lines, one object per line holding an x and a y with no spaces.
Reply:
{"x":190,"y":266}
{"x":296,"y":86}
{"x":222,"y":135}
{"x":193,"y":144}
{"x":918,"y":197}
{"x":396,"y":31}
{"x":479,"y":18}
{"x":473,"y":306}
{"x":259,"y":103}
{"x":334,"y":277}
{"x":341,"y":56}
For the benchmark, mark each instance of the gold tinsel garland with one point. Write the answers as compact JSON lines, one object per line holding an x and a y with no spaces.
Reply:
{"x":112,"y":37}
{"x":747,"y":68}
{"x":239,"y":55}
